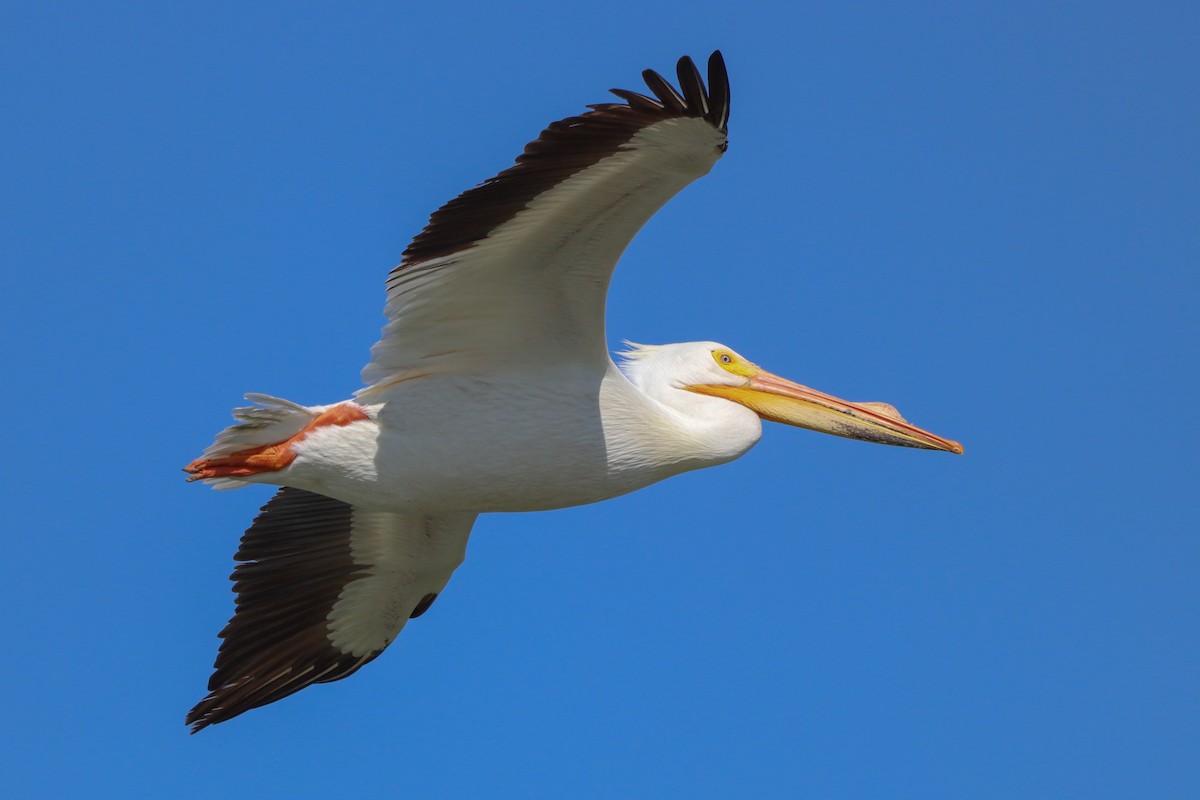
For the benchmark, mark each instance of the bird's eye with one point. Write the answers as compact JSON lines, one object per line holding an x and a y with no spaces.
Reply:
{"x":728,"y":361}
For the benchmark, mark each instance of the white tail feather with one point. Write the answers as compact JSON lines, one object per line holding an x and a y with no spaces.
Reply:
{"x":271,"y":420}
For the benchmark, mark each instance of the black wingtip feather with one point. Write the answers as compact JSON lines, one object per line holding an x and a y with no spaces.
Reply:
{"x":639,"y":102}
{"x":718,"y":91}
{"x":692,"y":86}
{"x":672,"y":101}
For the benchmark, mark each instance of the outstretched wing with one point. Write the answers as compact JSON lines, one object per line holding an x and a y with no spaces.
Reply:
{"x":322,"y":588}
{"x":515,"y":271}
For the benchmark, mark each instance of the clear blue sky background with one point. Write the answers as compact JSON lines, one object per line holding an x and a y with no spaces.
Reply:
{"x":986,"y":214}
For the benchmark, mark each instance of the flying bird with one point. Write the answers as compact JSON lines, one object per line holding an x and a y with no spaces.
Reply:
{"x":492,"y":389}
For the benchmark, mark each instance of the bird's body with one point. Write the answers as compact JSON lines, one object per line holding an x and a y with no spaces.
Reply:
{"x":579,"y":438}
{"x":492,"y":389}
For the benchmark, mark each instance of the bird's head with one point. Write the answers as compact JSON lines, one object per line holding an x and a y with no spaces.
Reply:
{"x":714,"y":370}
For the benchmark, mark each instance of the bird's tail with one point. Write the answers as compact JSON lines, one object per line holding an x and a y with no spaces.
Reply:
{"x":253,"y":444}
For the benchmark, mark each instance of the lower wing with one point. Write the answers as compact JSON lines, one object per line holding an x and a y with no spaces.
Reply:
{"x":322,"y":588}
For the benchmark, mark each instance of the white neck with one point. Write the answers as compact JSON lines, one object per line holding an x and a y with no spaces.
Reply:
{"x":648,"y":424}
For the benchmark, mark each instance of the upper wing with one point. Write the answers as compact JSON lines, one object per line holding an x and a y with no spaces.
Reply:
{"x":521,"y":263}
{"x":322,"y":589}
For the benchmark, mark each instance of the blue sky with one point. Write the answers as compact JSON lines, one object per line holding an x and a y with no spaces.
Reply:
{"x":986,"y":214}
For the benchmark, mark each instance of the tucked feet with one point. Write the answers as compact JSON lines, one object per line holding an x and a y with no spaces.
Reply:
{"x":230,"y":457}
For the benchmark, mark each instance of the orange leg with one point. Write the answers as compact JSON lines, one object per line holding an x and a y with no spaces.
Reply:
{"x":270,"y":457}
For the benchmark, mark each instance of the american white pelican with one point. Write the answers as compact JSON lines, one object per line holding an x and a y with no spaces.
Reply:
{"x":492,"y":389}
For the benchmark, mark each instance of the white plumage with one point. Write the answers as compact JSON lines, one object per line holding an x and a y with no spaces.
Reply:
{"x":492,"y":390}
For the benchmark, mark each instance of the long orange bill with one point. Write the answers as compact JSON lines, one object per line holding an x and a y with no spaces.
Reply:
{"x":780,"y":400}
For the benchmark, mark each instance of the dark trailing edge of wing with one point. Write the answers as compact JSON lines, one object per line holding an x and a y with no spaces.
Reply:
{"x":569,"y":146}
{"x":295,"y":560}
